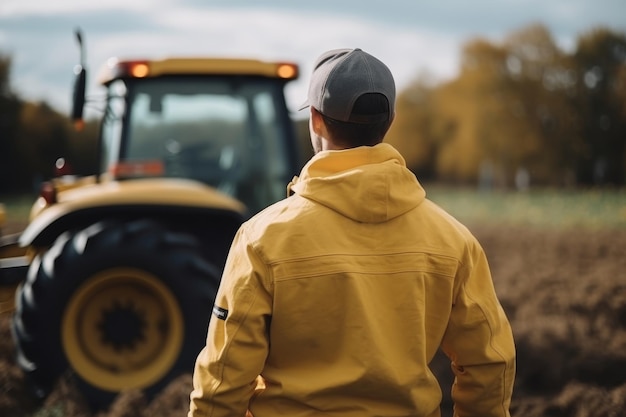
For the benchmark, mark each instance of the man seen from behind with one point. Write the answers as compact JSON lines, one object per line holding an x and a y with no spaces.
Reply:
{"x":339,"y":296}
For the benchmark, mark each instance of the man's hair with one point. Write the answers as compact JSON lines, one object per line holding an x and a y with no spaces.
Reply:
{"x":374,"y":119}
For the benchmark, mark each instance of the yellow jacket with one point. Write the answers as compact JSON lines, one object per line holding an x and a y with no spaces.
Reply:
{"x":340,"y":295}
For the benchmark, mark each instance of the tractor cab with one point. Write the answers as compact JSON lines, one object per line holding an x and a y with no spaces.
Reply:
{"x":222,"y":122}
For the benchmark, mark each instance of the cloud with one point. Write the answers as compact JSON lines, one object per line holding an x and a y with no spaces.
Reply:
{"x":185,"y":31}
{"x":410,"y":36}
{"x":18,"y":8}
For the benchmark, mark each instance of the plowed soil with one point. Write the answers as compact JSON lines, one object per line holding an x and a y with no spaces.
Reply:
{"x":564,"y":292}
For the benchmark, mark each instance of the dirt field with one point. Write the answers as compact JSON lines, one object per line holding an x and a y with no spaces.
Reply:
{"x":564,"y":291}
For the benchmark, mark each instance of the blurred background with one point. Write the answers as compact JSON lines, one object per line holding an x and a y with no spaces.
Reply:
{"x":512,"y":112}
{"x":497,"y":93}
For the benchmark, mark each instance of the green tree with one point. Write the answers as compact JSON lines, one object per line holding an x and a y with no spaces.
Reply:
{"x":411,"y":132}
{"x":509,"y":109}
{"x":9,"y":114}
{"x":454,"y":131}
{"x":543,"y":119}
{"x":33,"y":136}
{"x":525,"y":119}
{"x":42,"y":138}
{"x":600,"y":63}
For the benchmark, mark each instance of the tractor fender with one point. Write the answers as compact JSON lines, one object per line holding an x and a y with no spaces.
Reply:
{"x":135,"y":198}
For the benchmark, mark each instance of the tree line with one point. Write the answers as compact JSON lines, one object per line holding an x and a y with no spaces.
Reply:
{"x":522,"y":110}
{"x":519,"y":112}
{"x":33,"y":136}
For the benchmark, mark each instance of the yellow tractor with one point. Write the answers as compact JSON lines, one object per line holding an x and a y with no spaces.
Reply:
{"x":118,"y":271}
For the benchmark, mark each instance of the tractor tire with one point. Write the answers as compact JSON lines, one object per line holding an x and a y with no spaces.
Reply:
{"x":120,"y":305}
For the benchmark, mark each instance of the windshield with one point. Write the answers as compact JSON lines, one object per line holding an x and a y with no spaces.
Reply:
{"x":232,"y":133}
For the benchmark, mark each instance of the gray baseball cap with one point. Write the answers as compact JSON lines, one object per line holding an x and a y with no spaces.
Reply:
{"x":341,"y":76}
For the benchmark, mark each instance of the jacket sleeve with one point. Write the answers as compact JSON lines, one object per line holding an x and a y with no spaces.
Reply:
{"x":479,"y":342}
{"x":226,"y":369}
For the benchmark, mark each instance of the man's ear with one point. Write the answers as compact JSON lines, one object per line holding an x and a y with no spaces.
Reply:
{"x":317,"y":122}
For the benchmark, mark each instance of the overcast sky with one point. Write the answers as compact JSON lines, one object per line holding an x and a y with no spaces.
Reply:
{"x":411,"y":36}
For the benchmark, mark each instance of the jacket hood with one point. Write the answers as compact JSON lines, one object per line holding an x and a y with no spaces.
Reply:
{"x":369,"y":184}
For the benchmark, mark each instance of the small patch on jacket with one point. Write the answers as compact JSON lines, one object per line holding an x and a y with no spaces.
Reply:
{"x":220,"y":313}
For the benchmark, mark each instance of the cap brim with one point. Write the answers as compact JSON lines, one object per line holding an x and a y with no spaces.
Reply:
{"x":304,"y":105}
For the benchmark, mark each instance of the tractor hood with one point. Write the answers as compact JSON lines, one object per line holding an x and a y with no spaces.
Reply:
{"x":169,"y":191}
{"x":150,"y":193}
